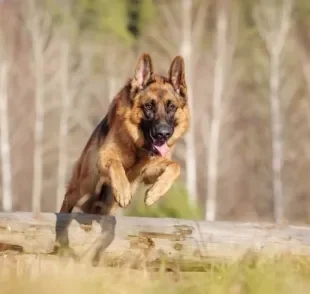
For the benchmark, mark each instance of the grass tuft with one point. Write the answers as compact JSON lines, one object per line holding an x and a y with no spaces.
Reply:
{"x":37,"y":274}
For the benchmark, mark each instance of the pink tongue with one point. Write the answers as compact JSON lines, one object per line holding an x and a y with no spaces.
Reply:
{"x":163,"y":149}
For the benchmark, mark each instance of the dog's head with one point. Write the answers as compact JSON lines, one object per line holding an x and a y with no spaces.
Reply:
{"x":159,"y":109}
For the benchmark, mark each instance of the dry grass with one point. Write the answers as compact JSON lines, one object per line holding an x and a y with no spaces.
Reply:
{"x":39,"y":275}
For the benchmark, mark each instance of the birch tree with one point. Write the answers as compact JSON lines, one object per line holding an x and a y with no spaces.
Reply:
{"x":303,"y":40}
{"x":186,"y":51}
{"x":112,"y":53}
{"x":66,"y":99}
{"x":180,"y":29}
{"x":218,"y":88}
{"x":72,"y":84}
{"x":273,"y":22}
{"x":6,"y":168}
{"x":39,"y":24}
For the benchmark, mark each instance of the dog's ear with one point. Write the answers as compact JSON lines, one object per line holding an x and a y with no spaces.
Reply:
{"x":177,"y":75}
{"x":143,"y":71}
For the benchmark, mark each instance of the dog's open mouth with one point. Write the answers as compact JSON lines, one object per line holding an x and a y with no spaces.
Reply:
{"x":157,"y":146}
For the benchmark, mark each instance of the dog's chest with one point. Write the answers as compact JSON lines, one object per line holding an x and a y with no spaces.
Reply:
{"x":128,"y":161}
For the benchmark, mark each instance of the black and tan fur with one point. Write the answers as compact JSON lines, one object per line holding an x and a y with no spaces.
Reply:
{"x":121,"y":152}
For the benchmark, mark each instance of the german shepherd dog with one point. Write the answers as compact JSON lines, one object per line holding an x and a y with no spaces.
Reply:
{"x":133,"y":143}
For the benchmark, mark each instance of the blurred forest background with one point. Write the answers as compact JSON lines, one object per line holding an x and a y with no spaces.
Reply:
{"x":247,"y":154}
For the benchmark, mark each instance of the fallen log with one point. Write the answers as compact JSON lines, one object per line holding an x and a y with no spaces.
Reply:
{"x":118,"y":239}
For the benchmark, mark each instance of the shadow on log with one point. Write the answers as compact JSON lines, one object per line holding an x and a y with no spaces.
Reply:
{"x":137,"y":242}
{"x":104,"y":239}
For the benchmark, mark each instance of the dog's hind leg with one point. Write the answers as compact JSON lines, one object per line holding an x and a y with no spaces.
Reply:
{"x":76,"y":200}
{"x":105,"y":203}
{"x":62,"y":238}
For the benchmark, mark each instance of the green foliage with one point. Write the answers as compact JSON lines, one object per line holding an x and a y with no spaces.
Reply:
{"x":95,"y":18}
{"x":174,"y":204}
{"x":140,"y":13}
{"x":302,"y":10}
{"x":147,"y":13}
{"x":103,"y":17}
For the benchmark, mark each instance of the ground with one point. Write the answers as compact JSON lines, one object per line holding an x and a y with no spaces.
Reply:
{"x":38,"y":274}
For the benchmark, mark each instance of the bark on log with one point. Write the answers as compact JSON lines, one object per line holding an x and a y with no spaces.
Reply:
{"x":151,"y":239}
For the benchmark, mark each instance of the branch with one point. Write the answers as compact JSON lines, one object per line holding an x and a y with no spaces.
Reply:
{"x":272,"y":30}
{"x":172,"y":24}
{"x":285,"y":24}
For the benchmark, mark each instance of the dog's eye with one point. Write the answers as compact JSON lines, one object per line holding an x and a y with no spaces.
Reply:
{"x":148,"y":106}
{"x":171,"y":107}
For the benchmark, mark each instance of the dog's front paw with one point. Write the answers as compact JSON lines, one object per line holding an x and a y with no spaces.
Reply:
{"x":122,"y":193}
{"x":151,"y":196}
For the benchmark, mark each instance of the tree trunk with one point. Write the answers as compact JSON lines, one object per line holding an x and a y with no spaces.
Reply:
{"x":112,"y":90}
{"x":39,"y":118}
{"x":276,"y":127}
{"x":130,"y":240}
{"x":274,"y":34}
{"x":63,"y":127}
{"x":186,"y":50}
{"x":219,"y":79}
{"x":6,"y":168}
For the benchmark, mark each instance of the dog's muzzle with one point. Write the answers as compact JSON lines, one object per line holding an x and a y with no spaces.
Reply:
{"x":160,"y":133}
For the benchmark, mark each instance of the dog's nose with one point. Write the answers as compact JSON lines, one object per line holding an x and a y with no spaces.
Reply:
{"x":163,"y":131}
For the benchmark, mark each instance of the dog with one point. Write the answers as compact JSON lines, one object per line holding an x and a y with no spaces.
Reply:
{"x":133,"y":143}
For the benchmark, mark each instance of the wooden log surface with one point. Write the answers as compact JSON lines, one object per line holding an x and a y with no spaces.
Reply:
{"x":174,"y":239}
